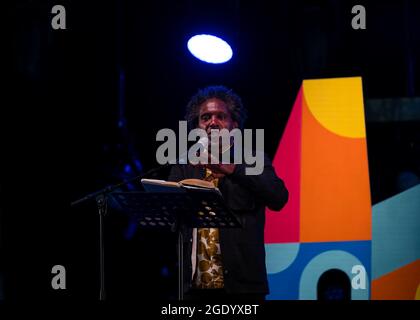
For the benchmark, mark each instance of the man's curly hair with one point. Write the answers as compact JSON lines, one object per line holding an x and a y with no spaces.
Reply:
{"x":232,"y":100}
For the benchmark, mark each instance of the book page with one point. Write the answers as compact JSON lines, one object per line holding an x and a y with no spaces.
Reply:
{"x":197,"y":183}
{"x":154,"y":185}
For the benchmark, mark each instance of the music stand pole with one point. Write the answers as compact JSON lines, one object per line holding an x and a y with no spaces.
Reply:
{"x":102,"y":203}
{"x":180,"y":265}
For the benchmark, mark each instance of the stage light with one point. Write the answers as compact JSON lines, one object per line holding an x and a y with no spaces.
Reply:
{"x":209,"y":48}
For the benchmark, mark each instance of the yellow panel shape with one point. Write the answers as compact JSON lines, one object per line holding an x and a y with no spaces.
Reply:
{"x":337,"y":104}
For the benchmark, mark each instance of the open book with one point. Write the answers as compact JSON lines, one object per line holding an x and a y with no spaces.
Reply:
{"x":153,"y":185}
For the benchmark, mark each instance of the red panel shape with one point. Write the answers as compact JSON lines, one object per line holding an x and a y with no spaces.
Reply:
{"x":283,"y":226}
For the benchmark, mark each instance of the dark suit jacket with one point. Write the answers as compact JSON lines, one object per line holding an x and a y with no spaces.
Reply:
{"x":243,"y":252}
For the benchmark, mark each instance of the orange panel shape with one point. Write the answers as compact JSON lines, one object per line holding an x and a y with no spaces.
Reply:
{"x":335,"y":192}
{"x":400,"y":284}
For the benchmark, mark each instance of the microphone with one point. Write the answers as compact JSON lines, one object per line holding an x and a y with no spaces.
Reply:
{"x":203,"y":142}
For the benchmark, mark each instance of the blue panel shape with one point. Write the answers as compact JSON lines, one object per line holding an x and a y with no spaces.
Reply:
{"x":284,"y":285}
{"x":396,"y":232}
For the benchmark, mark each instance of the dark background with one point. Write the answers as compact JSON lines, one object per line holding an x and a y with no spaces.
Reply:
{"x":82,"y":107}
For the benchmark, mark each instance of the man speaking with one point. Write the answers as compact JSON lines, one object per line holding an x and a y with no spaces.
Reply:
{"x":228,"y":264}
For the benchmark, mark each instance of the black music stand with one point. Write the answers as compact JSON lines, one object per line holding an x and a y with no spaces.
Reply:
{"x":181,"y":207}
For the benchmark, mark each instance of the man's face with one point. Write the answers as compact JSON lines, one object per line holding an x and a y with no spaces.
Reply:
{"x":214,"y":114}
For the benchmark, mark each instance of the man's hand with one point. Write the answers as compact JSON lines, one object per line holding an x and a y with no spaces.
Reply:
{"x":221,"y":170}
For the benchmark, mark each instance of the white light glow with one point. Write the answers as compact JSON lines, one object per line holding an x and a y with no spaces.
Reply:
{"x":209,"y":48}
